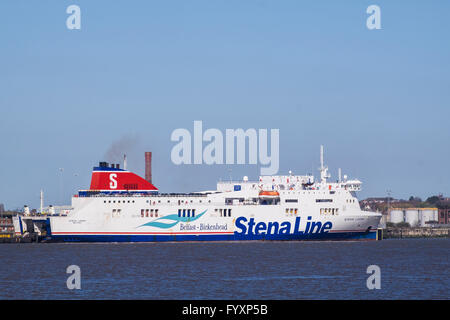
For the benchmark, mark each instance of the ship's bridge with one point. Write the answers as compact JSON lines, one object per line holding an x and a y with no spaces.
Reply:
{"x":353,"y":185}
{"x":279,"y":183}
{"x":289,"y":182}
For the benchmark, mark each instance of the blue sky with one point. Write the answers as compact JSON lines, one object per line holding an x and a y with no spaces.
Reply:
{"x":379,"y":100}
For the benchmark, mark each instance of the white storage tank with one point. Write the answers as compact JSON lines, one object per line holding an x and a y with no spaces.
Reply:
{"x":427,"y":214}
{"x":396,"y":216}
{"x":412,"y":217}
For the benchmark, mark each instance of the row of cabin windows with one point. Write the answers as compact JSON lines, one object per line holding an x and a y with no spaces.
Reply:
{"x":310,"y":192}
{"x":332,"y":211}
{"x":350,"y":200}
{"x":149,"y":202}
{"x":224,"y":212}
{"x":186,"y":212}
{"x":179,"y":201}
{"x":291,"y":211}
{"x":149,"y":213}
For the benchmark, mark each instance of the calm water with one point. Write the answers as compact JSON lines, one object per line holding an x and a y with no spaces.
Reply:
{"x":410,"y":269}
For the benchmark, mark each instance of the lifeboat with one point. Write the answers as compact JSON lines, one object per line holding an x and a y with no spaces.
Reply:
{"x":269,"y":194}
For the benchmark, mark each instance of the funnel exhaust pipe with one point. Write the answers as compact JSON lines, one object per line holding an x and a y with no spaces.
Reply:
{"x":148,"y":166}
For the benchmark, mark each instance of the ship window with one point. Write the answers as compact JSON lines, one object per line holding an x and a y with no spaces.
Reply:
{"x":193,"y":212}
{"x":179,"y":212}
{"x":146,"y":213}
{"x":151,"y":212}
{"x":324,"y":200}
{"x":184,"y":212}
{"x":156,"y":212}
{"x":287,"y":210}
{"x":291,"y":211}
{"x":295,"y":211}
{"x":189,"y":212}
{"x":142,"y":213}
{"x":221,"y":212}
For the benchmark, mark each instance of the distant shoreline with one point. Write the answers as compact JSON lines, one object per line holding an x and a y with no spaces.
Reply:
{"x":405,"y":233}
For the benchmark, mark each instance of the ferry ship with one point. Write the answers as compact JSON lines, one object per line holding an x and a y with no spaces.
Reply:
{"x":121,"y":206}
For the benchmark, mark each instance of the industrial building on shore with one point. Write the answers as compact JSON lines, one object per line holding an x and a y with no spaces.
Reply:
{"x":415,"y":217}
{"x":414,"y":213}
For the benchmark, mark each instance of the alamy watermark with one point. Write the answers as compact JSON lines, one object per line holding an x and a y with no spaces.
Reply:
{"x":74,"y":280}
{"x":190,"y":148}
{"x":374,"y":280}
{"x":74,"y":20}
{"x":374,"y":20}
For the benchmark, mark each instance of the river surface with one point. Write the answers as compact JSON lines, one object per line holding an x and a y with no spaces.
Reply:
{"x":409,"y":269}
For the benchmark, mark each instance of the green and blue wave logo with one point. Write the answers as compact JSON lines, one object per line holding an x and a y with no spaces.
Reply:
{"x":174,"y":218}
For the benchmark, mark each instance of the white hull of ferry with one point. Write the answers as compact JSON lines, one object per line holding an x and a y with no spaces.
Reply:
{"x":123,"y":207}
{"x":97,"y":222}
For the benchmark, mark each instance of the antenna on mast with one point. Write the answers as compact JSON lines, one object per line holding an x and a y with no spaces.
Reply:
{"x":323,"y":170}
{"x":321,"y":157}
{"x":124,"y":162}
{"x":42,"y":200}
